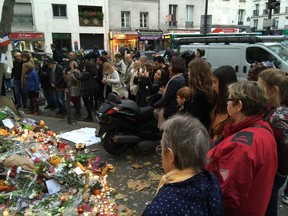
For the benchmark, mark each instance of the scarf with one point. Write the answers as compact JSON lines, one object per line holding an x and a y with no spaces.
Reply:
{"x":175,"y":176}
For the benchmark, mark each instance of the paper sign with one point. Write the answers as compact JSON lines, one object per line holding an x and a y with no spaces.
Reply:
{"x":53,"y":186}
{"x":8,"y":123}
{"x":78,"y":171}
{"x":82,"y":135}
{"x":3,"y":58}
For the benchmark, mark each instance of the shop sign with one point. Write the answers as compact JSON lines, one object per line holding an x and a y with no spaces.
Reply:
{"x":167,"y":36}
{"x":26,"y":35}
{"x":149,"y":37}
{"x":119,"y":36}
{"x":224,"y":30}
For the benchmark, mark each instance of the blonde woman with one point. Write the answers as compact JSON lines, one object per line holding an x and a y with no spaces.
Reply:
{"x":134,"y":73}
{"x":73,"y":85}
{"x":111,"y":81}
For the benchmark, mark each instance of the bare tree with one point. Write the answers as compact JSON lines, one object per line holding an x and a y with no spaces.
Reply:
{"x":5,"y":23}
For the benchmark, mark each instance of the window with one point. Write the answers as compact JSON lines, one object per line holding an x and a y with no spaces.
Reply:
{"x":189,"y":13}
{"x":173,"y":14}
{"x":125,"y":19}
{"x":59,"y":10}
{"x":240,"y":17}
{"x":143,"y":20}
{"x":22,"y":15}
{"x":255,"y":24}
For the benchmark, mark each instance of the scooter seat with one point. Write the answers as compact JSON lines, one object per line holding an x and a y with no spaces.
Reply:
{"x":147,"y":112}
{"x":131,"y":105}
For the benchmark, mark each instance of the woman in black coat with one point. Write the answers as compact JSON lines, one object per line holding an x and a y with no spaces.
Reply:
{"x":87,"y":88}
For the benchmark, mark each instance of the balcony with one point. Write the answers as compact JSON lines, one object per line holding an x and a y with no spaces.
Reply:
{"x":255,"y":12}
{"x":265,"y":12}
{"x":277,"y":10}
{"x":90,"y":22}
{"x":90,"y":17}
{"x":22,"y":20}
{"x":189,"y":24}
{"x":173,"y":24}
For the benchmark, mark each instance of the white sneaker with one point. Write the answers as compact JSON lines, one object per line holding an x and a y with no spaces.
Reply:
{"x":285,"y":199}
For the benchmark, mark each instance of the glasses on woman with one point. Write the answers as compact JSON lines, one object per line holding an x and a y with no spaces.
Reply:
{"x":159,"y":150}
{"x":230,"y":99}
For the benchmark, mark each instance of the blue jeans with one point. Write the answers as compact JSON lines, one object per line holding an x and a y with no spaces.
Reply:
{"x":59,"y":98}
{"x":273,"y":203}
{"x":20,"y":94}
{"x":49,"y":97}
{"x":7,"y":83}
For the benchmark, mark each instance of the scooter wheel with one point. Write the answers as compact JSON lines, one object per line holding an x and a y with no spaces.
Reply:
{"x":111,"y":146}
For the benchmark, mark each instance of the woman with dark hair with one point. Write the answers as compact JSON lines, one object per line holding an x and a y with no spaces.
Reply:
{"x":200,"y":84}
{"x":221,"y":77}
{"x":167,"y":105}
{"x":199,"y":53}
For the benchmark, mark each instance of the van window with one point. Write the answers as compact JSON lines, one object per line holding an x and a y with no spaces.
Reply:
{"x":280,"y":50}
{"x":257,"y":54}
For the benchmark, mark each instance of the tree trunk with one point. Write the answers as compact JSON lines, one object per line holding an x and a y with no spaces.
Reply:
{"x":5,"y":23}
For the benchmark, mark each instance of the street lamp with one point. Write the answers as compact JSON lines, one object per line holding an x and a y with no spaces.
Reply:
{"x":205,"y":18}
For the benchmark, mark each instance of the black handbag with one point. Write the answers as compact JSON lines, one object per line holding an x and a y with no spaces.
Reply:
{"x":39,"y":101}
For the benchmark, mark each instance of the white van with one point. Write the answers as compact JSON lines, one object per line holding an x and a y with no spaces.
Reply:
{"x":240,"y":55}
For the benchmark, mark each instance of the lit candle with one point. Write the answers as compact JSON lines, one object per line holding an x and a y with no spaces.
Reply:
{"x":6,"y":212}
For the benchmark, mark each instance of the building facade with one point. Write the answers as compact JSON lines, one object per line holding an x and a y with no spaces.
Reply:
{"x":279,"y":17}
{"x":69,"y":24}
{"x":230,"y":16}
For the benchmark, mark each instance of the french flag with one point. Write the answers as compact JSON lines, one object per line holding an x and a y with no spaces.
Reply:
{"x":5,"y":41}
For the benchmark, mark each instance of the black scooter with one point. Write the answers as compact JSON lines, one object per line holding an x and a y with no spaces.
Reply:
{"x":123,"y":124}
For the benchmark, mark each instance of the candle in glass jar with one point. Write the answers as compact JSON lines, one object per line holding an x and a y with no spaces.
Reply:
{"x":6,"y":212}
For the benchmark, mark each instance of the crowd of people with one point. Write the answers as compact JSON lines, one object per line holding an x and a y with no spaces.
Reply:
{"x":224,"y":146}
{"x":245,"y":147}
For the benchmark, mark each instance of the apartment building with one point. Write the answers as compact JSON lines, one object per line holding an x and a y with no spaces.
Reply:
{"x":229,"y":16}
{"x":68,"y":23}
{"x":279,"y":17}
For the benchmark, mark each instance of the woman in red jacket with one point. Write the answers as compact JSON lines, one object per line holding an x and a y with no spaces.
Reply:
{"x":245,"y":162}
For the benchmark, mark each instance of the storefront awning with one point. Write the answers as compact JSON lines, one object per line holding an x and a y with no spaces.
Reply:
{"x":149,"y":34}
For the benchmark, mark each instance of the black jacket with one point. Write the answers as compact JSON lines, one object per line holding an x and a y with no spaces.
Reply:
{"x":17,"y":70}
{"x":168,"y":101}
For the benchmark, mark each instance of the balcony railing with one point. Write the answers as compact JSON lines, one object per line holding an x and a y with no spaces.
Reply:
{"x":276,"y":10}
{"x":189,"y":24}
{"x":265,"y":12}
{"x":90,"y":21}
{"x":255,"y":12}
{"x":240,"y":23}
{"x":173,"y":24}
{"x":22,"y":20}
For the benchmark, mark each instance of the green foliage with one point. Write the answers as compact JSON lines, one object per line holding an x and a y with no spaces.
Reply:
{"x":92,"y":14}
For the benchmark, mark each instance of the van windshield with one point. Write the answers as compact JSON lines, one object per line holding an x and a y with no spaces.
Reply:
{"x":280,"y":50}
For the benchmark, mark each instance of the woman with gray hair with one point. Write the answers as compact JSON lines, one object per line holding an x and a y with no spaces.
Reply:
{"x":186,"y":188}
{"x":245,"y":162}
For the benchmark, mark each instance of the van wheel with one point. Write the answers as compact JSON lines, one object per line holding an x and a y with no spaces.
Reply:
{"x":111,"y":146}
